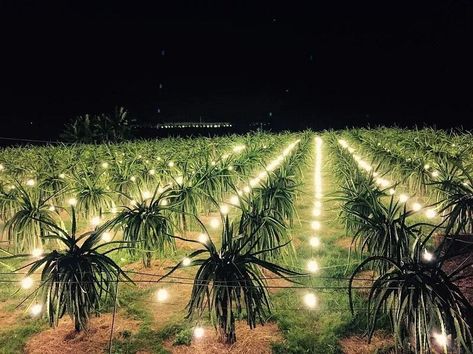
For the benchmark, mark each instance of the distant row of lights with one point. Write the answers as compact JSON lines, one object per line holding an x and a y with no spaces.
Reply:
{"x":429,"y":213}
{"x":193,"y":125}
{"x":310,"y":299}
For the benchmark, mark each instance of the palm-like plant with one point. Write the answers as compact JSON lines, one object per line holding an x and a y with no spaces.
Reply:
{"x":419,"y":298}
{"x":229,"y":280}
{"x":266,"y":225}
{"x":77,"y":278}
{"x":147,"y":225}
{"x":456,"y":192}
{"x":31,"y":219}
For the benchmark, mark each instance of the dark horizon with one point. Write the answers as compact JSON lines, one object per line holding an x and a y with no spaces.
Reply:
{"x":319,"y":65}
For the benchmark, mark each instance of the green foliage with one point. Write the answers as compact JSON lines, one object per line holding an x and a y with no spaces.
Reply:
{"x":89,"y":129}
{"x":77,"y":278}
{"x":229,"y":280}
{"x":420,"y":299}
{"x":147,"y":225}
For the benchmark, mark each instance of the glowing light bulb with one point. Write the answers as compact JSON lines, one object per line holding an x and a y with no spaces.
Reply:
{"x":36,"y":309}
{"x":247,"y":189}
{"x":416,"y":206}
{"x":318,"y":204}
{"x":427,"y":256}
{"x":310,"y":300}
{"x":199,"y":332}
{"x":62,"y":175}
{"x":133,"y":178}
{"x":52,"y":208}
{"x":2,"y":167}
{"x":403,"y":198}
{"x":214,"y":223}
{"x":238,"y":148}
{"x":104,"y":165}
{"x":186,"y":261}
{"x":230,"y":168}
{"x":171,"y":164}
{"x":162,"y":295}
{"x":96,"y":220}
{"x":146,"y":195}
{"x":435,"y":173}
{"x":203,"y":238}
{"x":441,"y":339}
{"x":224,"y":209}
{"x":106,"y":237}
{"x":316,"y":212}
{"x":315,"y":225}
{"x":37,"y":252}
{"x":114,"y":210}
{"x":392,"y":191}
{"x":31,"y":182}
{"x":314,"y":241}
{"x":164,"y":202}
{"x":426,"y":166}
{"x":27,"y":282}
{"x":152,"y":172}
{"x":430,"y":213}
{"x":312,"y":266}
{"x":235,"y":200}
{"x":179,"y":180}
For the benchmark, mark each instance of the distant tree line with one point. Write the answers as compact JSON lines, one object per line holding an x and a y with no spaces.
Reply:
{"x":104,"y":127}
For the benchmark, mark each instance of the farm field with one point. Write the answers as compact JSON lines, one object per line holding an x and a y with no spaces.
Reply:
{"x":353,"y":241}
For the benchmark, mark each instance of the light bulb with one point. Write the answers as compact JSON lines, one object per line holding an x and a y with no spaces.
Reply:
{"x":95,"y":221}
{"x":105,"y":165}
{"x":186,"y":261}
{"x":179,"y":180}
{"x":314,"y":241}
{"x":416,"y":206}
{"x":310,"y":300}
{"x":247,"y":189}
{"x":162,"y":295}
{"x":107,"y":237}
{"x":146,"y":195}
{"x":52,"y":208}
{"x":171,"y":164}
{"x":441,"y":339}
{"x":403,"y":198}
{"x":435,"y":173}
{"x":133,"y":178}
{"x":203,"y":238}
{"x":224,"y":209}
{"x":37,"y":252}
{"x":62,"y":175}
{"x":26,"y":282}
{"x":36,"y":309}
{"x":31,"y":182}
{"x":152,"y":172}
{"x":235,"y":200}
{"x":315,"y":225}
{"x":72,"y":201}
{"x":430,"y":213}
{"x":392,"y":191}
{"x":199,"y":332}
{"x":316,"y":212}
{"x":312,"y":266}
{"x":214,"y":223}
{"x":427,"y":256}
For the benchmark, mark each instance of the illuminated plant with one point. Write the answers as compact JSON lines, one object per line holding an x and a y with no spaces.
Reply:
{"x":423,"y":302}
{"x":229,"y":280}
{"x":147,"y":225}
{"x":76,"y":278}
{"x":31,"y":218}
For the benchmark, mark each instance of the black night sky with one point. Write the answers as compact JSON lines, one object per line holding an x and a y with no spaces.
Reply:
{"x":319,"y":64}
